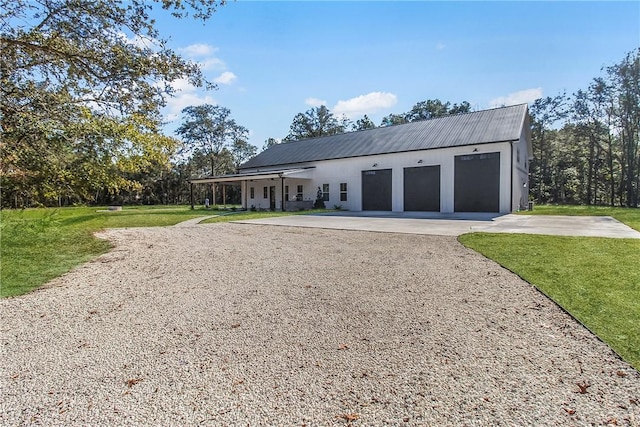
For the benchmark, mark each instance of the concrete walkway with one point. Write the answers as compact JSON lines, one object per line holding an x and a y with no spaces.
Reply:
{"x":194,"y":221}
{"x":457,"y":224}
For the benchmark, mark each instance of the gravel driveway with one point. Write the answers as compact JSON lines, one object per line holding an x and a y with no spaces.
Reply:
{"x":235,"y":324}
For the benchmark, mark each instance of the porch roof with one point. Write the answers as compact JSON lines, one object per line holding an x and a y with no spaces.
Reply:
{"x":301,"y":173}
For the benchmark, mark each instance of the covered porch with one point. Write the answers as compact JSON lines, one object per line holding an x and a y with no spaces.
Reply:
{"x":266,"y":189}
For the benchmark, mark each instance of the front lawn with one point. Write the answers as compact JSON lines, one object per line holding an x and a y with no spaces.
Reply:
{"x":597,"y":280}
{"x":37,"y":245}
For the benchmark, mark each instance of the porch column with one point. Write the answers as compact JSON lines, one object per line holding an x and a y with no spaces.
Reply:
{"x":191,"y":193}
{"x":282,"y":207}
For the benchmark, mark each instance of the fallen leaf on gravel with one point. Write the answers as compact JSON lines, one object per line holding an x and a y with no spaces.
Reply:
{"x":621,"y":374}
{"x":612,"y":421}
{"x":235,"y":325}
{"x":570,"y":411}
{"x":343,"y":347}
{"x":348,"y":417}
{"x":583,"y":387}
{"x":133,"y":381}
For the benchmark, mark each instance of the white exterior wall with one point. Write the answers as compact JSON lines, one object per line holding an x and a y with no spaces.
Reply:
{"x":334,"y":172}
{"x":521,"y":159}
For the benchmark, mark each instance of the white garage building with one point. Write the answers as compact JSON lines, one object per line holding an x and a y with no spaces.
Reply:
{"x":473,"y":162}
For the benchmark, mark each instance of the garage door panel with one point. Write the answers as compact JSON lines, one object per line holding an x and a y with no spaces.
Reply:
{"x":376,"y":190}
{"x":477,"y":183}
{"x":422,"y":189}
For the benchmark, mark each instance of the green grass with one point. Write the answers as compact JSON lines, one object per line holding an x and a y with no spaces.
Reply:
{"x":244,"y":215}
{"x":596,"y":280}
{"x":37,"y":245}
{"x":630,"y":216}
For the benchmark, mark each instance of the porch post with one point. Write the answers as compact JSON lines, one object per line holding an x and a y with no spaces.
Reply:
{"x":224,"y":195}
{"x":191,"y":194}
{"x":282,"y":207}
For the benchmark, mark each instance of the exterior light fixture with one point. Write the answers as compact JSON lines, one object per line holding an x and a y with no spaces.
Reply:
{"x":475,"y":150}
{"x":419,"y":161}
{"x":375,"y":165}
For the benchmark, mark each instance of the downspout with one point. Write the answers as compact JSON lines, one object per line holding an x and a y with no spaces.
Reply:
{"x":511,"y":192}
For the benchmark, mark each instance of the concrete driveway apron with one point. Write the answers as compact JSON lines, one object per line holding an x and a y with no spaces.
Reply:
{"x":457,"y":224}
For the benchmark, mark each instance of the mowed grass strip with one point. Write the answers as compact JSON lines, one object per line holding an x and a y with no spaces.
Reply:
{"x":596,"y":280}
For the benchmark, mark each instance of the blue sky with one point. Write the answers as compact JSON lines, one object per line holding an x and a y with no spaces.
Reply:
{"x":272,"y":60}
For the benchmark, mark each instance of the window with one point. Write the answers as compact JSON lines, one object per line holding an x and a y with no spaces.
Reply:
{"x":264,"y":193}
{"x":252,"y":193}
{"x":343,"y":191}
{"x":299,"y":194}
{"x":325,"y":192}
{"x":286,"y":193}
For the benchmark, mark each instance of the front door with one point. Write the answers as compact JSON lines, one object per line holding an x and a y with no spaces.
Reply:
{"x":272,"y":197}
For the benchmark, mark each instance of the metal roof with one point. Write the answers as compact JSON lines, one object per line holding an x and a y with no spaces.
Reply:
{"x":479,"y":127}
{"x":278,"y":173}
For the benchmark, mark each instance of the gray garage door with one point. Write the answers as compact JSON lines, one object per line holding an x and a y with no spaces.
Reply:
{"x":376,"y":190}
{"x":477,"y":183}
{"x":422,"y":189}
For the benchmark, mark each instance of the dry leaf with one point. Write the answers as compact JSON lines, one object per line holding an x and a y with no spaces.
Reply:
{"x":621,"y":374}
{"x":583,"y":387}
{"x":348,"y":417}
{"x":570,"y":411}
{"x":343,"y":347}
{"x":133,"y":381}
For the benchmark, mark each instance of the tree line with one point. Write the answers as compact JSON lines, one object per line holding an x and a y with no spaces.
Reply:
{"x":586,"y":145}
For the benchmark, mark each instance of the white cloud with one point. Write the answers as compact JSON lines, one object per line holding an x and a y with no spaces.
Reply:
{"x":198,"y":50}
{"x":187,"y":95}
{"x":365,"y":104}
{"x":212,"y":64}
{"x":520,"y":97}
{"x":225,"y":78}
{"x":315,"y":102}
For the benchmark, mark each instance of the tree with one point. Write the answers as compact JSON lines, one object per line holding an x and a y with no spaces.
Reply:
{"x":545,"y":112}
{"x":424,"y":110}
{"x":363,"y":123}
{"x":242,"y":151}
{"x":313,"y":123}
{"x":209,"y":130}
{"x":625,"y":80}
{"x":270,"y":142}
{"x":393,"y":119}
{"x":73,"y":71}
{"x":434,"y":108}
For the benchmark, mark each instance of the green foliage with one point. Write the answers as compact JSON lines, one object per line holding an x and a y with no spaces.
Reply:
{"x":363,"y":124}
{"x":587,"y":147}
{"x":81,"y":87}
{"x":596,"y":280}
{"x":313,"y":123}
{"x":209,"y":130}
{"x":429,"y":109}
